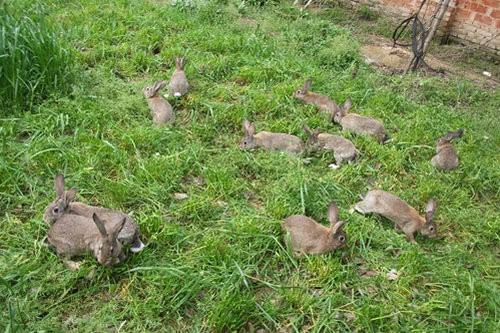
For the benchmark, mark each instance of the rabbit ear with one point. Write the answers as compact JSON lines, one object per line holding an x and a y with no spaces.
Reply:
{"x":59,"y":185}
{"x":336,"y":109}
{"x":70,"y":195}
{"x":118,"y":228}
{"x":430,"y":209}
{"x":100,"y":225}
{"x":307,"y":85}
{"x":347,"y":105}
{"x":179,"y":63}
{"x":336,"y":227}
{"x":159,"y":85}
{"x":249,"y":128}
{"x":333,"y":213}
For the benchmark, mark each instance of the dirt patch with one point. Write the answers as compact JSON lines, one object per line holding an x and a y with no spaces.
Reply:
{"x":248,"y":21}
{"x":381,"y":53}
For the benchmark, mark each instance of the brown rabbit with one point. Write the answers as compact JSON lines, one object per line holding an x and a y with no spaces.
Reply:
{"x":178,"y":85}
{"x":63,"y":204}
{"x":357,"y":123}
{"x":446,"y":157}
{"x":308,"y":236}
{"x":161,"y":110}
{"x":323,"y":102}
{"x":269,"y":141}
{"x":343,"y":149}
{"x":74,"y":235}
{"x":405,"y":217}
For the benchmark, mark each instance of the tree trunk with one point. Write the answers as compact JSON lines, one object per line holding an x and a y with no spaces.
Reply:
{"x":416,"y":62}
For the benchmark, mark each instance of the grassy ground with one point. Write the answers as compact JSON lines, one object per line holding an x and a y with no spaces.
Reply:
{"x":216,"y":261}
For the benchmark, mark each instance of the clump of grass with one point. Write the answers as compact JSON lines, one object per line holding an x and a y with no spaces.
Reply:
{"x":34,"y":62}
{"x":366,"y":13}
{"x":344,"y":51}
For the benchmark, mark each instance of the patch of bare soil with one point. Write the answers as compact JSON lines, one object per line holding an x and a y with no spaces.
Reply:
{"x":381,"y":53}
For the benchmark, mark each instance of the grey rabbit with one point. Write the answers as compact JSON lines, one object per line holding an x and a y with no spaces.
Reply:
{"x":309,"y":237}
{"x":160,"y":108}
{"x":270,"y":141}
{"x":357,"y":123}
{"x":64,"y":204}
{"x":179,"y":85}
{"x":405,"y":217}
{"x":446,"y":157}
{"x":343,"y":149}
{"x":322,"y":101}
{"x":74,"y":235}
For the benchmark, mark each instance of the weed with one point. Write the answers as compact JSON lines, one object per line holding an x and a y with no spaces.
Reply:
{"x":34,"y":61}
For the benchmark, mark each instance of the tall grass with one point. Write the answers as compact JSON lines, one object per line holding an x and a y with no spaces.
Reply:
{"x":34,"y":62}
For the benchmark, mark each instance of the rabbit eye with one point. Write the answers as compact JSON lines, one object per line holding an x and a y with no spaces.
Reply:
{"x":431,"y":228}
{"x":56,"y":210}
{"x":341,"y":238}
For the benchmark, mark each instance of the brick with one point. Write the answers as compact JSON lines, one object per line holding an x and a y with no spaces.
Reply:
{"x":478,"y":8}
{"x":485,"y":20}
{"x":491,"y":3}
{"x":466,"y":4}
{"x":462,"y":14}
{"x":495,"y":14}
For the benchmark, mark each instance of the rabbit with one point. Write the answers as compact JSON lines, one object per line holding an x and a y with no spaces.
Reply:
{"x":343,"y":149}
{"x":323,"y":102}
{"x":178,"y":85}
{"x":60,"y":205}
{"x":309,"y":237}
{"x":405,"y":217}
{"x":270,"y":141}
{"x":63,"y":204}
{"x":161,"y":110}
{"x":446,"y":157}
{"x":74,"y":235}
{"x":357,"y":123}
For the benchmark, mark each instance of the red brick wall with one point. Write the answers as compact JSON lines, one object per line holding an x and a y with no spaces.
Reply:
{"x":476,"y":21}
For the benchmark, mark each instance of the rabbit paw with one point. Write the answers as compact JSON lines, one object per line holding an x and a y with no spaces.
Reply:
{"x":333,"y":166}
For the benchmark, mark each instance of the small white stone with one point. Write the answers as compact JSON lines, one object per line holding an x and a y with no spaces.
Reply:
{"x":180,"y":196}
{"x":486,"y":73}
{"x":392,"y":275}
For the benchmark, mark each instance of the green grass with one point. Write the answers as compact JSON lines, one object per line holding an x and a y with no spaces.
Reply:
{"x":34,"y":63}
{"x":217,"y":261}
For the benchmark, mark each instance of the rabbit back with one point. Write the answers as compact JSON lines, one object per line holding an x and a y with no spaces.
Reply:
{"x":446,"y":158}
{"x":279,"y":142}
{"x":364,"y":125}
{"x":391,"y":207}
{"x":129,"y":234}
{"x":321,"y":101}
{"x":72,"y":235}
{"x":178,"y":85}
{"x":161,"y":110}
{"x":338,"y":144}
{"x":307,"y":236}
